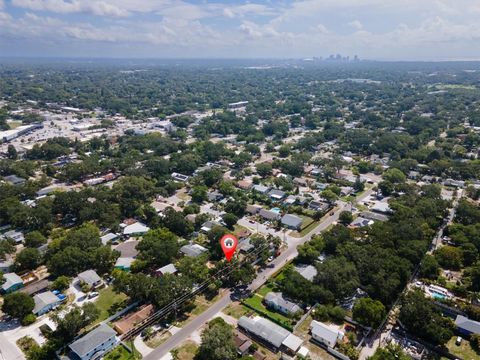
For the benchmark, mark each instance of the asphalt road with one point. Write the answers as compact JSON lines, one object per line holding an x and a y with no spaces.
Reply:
{"x":261,"y":278}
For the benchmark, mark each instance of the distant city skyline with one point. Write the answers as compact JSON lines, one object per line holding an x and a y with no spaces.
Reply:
{"x":372,"y":29}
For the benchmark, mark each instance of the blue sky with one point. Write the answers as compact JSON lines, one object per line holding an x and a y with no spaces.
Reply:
{"x":373,"y":29}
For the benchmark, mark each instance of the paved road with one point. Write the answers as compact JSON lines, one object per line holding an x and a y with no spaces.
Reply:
{"x":261,"y":278}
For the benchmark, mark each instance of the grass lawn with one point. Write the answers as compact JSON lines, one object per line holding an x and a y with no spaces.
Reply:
{"x":238,"y":229}
{"x":121,"y":353}
{"x":265,"y":289}
{"x":255,"y":302}
{"x":237,"y":310}
{"x":305,"y":230}
{"x":187,"y":351}
{"x":108,"y":301}
{"x":303,"y":328}
{"x":464,"y":351}
{"x":14,"y":124}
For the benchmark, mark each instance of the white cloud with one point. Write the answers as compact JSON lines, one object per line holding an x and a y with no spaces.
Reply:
{"x":357,"y":25}
{"x":100,"y":8}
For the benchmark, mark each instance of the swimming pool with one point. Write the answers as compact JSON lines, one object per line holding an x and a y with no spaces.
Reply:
{"x":277,"y":210}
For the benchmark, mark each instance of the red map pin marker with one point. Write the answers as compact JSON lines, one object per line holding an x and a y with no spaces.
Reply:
{"x":229,"y":243}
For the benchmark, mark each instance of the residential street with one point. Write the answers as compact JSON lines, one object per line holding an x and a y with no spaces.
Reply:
{"x":262,"y":277}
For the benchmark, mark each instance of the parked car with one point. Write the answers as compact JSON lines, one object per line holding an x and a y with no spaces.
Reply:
{"x":93,"y":295}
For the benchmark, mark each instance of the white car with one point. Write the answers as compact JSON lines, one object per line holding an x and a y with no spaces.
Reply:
{"x":93,"y":295}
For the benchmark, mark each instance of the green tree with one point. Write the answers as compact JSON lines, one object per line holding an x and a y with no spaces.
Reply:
{"x":75,"y":320}
{"x":61,"y":283}
{"x":390,"y":352}
{"x":18,"y":305}
{"x":345,"y":217}
{"x":429,"y":268}
{"x":369,"y":312}
{"x":394,"y":176}
{"x":217,"y":342}
{"x":12,"y":152}
{"x":34,"y":239}
{"x":264,"y":169}
{"x":449,"y":257}
{"x":158,"y":247}
{"x":230,"y":220}
{"x":28,"y":259}
{"x":199,"y":194}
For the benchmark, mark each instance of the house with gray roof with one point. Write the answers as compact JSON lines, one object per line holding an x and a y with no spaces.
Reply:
{"x":45,"y":302}
{"x":14,"y":180}
{"x":167,"y":269}
{"x":270,"y":334}
{"x":308,"y":272}
{"x":12,"y":282}
{"x":269,"y":215}
{"x":262,"y":189}
{"x":277,"y":302}
{"x":193,"y":250}
{"x":292,"y":221}
{"x":361,"y":222}
{"x":276,"y":194}
{"x":90,"y":278}
{"x":466,"y":326}
{"x":95,"y":344}
{"x":325,"y":334}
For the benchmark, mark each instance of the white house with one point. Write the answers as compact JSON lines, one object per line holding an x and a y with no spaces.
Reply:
{"x":324,"y":334}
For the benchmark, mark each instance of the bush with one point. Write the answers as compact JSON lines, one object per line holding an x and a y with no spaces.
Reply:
{"x":29,"y":320}
{"x":475,"y":342}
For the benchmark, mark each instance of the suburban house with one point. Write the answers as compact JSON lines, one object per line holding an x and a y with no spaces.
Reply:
{"x":46,"y":301}
{"x":179,"y":177}
{"x":90,"y":278}
{"x":167,"y":269}
{"x":214,"y":196}
{"x":261,"y":189}
{"x":361,"y":222}
{"x":14,"y":235}
{"x":135,"y":229}
{"x":95,"y":344}
{"x":324,"y":334}
{"x":292,"y":221}
{"x":242,"y":343}
{"x":109,"y":237}
{"x":270,"y":334}
{"x":14,"y":180}
{"x":12,"y":282}
{"x":245,"y":246}
{"x":269,"y":215}
{"x":318,"y":206}
{"x":128,"y":253}
{"x":209,"y":225}
{"x":308,"y":272}
{"x":253,"y":209}
{"x":244,"y":184}
{"x":276,"y":194}
{"x":6,"y":264}
{"x":466,"y":326}
{"x":193,"y":250}
{"x":381,"y":207}
{"x":277,"y":302}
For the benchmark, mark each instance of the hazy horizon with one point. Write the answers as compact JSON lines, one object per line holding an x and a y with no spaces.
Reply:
{"x":383,"y":30}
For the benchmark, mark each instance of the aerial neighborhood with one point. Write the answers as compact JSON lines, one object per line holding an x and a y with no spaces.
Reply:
{"x":353,"y":190}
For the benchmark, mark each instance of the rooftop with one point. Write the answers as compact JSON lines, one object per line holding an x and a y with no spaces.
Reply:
{"x":92,"y":340}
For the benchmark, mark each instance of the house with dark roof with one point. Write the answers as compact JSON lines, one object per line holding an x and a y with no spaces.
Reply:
{"x":95,"y":344}
{"x":466,"y":326}
{"x":277,"y":302}
{"x":292,"y":221}
{"x":318,"y":206}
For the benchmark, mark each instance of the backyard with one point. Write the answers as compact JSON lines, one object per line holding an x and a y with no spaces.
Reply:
{"x":109,"y":302}
{"x":464,"y":350}
{"x":122,"y":353}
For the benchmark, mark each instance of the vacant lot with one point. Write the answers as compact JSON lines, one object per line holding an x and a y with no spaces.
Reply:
{"x":109,"y":302}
